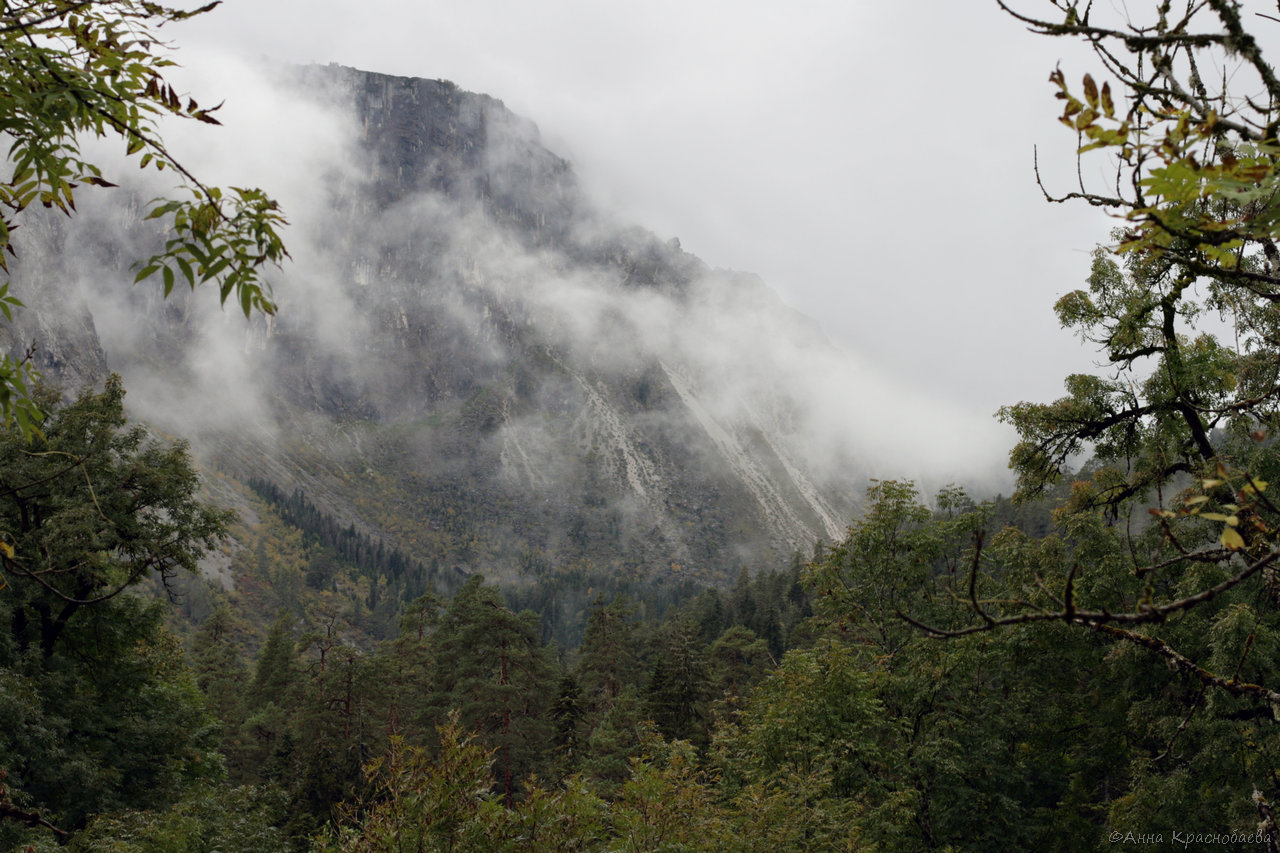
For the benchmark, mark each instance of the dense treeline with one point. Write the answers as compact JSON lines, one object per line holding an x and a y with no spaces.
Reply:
{"x":371,"y":557}
{"x":796,"y":710}
{"x":304,"y":721}
{"x":112,"y":738}
{"x":312,"y":562}
{"x":951,"y":676}
{"x":563,"y":596}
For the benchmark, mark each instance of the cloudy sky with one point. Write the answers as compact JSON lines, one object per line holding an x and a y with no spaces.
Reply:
{"x":871,"y":159}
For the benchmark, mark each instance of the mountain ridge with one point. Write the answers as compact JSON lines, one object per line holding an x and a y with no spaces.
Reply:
{"x":474,"y":365}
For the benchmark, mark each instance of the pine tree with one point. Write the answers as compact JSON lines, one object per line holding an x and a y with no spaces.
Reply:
{"x":492,"y":668}
{"x":276,"y":670}
{"x":607,"y":660}
{"x":266,"y":741}
{"x":677,"y":695}
{"x":219,"y":669}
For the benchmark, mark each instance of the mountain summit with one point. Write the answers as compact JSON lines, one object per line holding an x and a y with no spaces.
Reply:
{"x":472,"y":363}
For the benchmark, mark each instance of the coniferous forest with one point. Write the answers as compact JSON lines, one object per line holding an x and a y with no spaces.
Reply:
{"x":194,"y":661}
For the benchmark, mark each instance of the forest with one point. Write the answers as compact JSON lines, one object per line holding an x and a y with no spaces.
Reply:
{"x":1087,"y":663}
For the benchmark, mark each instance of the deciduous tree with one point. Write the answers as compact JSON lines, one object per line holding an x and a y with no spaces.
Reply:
{"x":101,"y":711}
{"x":1167,"y":548}
{"x":1181,"y":425}
{"x":84,"y":68}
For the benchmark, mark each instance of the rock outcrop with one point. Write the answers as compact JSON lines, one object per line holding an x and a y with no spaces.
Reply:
{"x":479,"y":367}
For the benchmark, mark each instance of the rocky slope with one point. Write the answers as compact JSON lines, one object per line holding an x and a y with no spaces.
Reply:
{"x":471,"y":363}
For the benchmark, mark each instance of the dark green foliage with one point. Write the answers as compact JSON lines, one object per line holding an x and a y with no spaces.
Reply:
{"x":771,"y":604}
{"x":567,"y":713}
{"x":736,"y":661}
{"x":563,"y":595}
{"x":818,"y":716}
{"x":209,"y":819}
{"x":92,"y":508}
{"x":618,"y":738}
{"x":276,"y":670}
{"x":608,"y":659}
{"x":677,"y":694}
{"x":490,"y":665}
{"x":120,"y":726}
{"x":1036,"y":736}
{"x":868,"y":732}
{"x":263,"y":746}
{"x":100,"y":711}
{"x":339,"y":725}
{"x":220,"y":672}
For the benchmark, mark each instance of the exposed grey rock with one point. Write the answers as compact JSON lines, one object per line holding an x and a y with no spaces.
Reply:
{"x":504,"y":371}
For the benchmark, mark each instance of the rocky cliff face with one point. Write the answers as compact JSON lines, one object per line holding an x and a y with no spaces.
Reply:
{"x":475,"y":365}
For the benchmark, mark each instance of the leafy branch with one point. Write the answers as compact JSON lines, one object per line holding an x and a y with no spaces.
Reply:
{"x":73,"y":68}
{"x":1243,"y":531}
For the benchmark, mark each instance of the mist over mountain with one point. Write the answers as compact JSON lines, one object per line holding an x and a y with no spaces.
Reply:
{"x":473,"y":363}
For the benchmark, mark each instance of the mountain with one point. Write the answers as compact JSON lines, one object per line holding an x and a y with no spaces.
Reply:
{"x":472,"y":364}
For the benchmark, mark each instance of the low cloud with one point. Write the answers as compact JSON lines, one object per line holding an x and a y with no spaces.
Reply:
{"x":365,"y":281}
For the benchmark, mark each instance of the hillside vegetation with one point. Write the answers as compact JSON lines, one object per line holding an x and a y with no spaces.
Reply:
{"x":511,"y":537}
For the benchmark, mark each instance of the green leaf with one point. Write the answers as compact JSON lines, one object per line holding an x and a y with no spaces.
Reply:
{"x":185,"y":266}
{"x":1108,"y":106}
{"x":1090,"y":90}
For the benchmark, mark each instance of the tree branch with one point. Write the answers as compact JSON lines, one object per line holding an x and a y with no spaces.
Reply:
{"x":1091,"y":618}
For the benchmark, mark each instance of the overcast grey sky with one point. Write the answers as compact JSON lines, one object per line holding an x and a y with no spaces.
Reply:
{"x":871,"y":159}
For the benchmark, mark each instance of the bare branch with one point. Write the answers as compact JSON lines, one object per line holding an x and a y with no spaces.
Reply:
{"x":1091,"y":198}
{"x":1097,"y":618}
{"x":17,"y":569}
{"x":8,"y":811}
